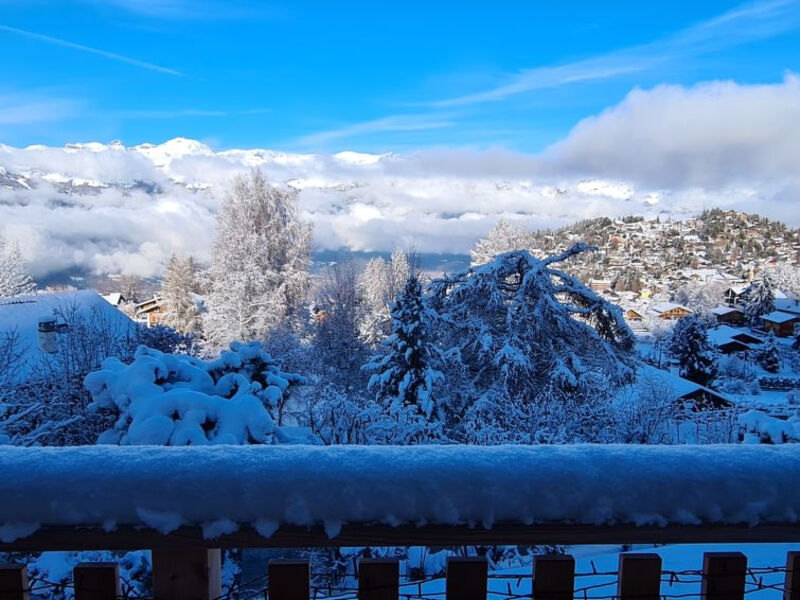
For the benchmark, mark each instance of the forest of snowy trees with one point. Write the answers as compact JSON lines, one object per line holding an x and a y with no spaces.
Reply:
{"x":513,"y":349}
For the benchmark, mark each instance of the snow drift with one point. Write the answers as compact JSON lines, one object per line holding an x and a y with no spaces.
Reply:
{"x":220,"y":488}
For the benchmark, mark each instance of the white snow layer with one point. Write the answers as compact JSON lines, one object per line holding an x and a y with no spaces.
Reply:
{"x":268,"y":486}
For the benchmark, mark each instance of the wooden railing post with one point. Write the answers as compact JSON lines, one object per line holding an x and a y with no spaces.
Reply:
{"x":288,"y":580}
{"x":723,"y":576}
{"x":553,"y":577}
{"x":378,"y":579}
{"x":639,"y":577}
{"x":187,"y":574}
{"x":14,"y":582}
{"x":791,"y":586}
{"x":466,"y":578}
{"x":96,"y":581}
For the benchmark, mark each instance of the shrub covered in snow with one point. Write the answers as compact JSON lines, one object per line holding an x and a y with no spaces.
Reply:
{"x":177,"y":400}
{"x":759,"y":427}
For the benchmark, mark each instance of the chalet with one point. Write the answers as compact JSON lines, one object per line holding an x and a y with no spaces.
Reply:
{"x":782,"y":324}
{"x":670,"y":311}
{"x":633,"y":315}
{"x":729,"y":315}
{"x":788,"y":305}
{"x":150,"y":312}
{"x":114,"y":299}
{"x":730,"y":340}
{"x":684,"y":393}
{"x":733,"y":295}
{"x":598,"y":285}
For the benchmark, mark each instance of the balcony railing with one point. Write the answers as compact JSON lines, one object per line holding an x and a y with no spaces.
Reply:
{"x":185,"y":504}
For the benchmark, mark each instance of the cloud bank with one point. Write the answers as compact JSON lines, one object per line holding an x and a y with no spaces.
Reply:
{"x":672,"y":150}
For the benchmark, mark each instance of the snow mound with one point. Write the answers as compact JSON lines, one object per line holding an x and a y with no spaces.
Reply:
{"x":177,"y":400}
{"x":270,"y":486}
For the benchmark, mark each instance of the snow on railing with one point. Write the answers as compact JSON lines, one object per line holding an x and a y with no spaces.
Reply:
{"x":266,"y":488}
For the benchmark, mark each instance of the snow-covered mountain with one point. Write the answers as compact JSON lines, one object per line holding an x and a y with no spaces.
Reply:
{"x":109,"y":208}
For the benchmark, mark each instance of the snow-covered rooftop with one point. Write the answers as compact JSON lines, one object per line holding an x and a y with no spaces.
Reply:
{"x":221,"y":488}
{"x":777,"y":316}
{"x":662,"y":307}
{"x":22,"y":314}
{"x":787,"y":305}
{"x":724,"y":310}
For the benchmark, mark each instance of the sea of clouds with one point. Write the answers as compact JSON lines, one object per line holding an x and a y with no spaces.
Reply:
{"x":107,"y":208}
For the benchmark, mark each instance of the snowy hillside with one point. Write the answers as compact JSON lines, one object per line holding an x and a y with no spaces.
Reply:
{"x":108,"y":208}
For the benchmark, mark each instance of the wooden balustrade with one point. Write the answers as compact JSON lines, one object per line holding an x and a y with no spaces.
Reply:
{"x":553,"y":578}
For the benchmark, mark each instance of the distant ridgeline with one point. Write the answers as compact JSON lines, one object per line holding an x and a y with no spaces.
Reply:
{"x":632,"y":248}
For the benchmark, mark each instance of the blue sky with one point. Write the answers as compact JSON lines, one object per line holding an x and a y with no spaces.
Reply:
{"x":316,"y":76}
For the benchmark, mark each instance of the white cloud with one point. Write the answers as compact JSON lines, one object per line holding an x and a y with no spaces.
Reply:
{"x":748,"y":22}
{"x":391,"y":123}
{"x":88,"y":49}
{"x":708,"y":135}
{"x":25,"y":108}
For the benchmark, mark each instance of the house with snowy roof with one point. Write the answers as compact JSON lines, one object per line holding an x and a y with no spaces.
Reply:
{"x":39,"y":323}
{"x":150,"y":312}
{"x":682,"y":391}
{"x":788,"y":305}
{"x":114,"y":299}
{"x":669,"y":311}
{"x":782,"y":324}
{"x":729,"y":315}
{"x":730,"y":340}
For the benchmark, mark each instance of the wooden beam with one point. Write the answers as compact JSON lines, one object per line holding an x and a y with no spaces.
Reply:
{"x":639,"y":577}
{"x":723,"y":576}
{"x":466,"y":578}
{"x":187,"y":574}
{"x":96,"y":581}
{"x":378,"y":579}
{"x":792,"y":583}
{"x":14,"y":582}
{"x":288,"y":580}
{"x":553,"y":577}
{"x":129,"y":538}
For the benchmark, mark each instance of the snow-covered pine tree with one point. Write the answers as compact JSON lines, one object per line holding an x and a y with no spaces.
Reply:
{"x":259,"y":265}
{"x":769,"y":357}
{"x":759,"y":299}
{"x":505,"y":236}
{"x":521,"y":338}
{"x":406,"y":372}
{"x":177,"y":291}
{"x":15,"y":280}
{"x":690,"y":347}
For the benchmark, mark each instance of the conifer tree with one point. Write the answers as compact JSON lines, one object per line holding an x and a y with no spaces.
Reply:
{"x":15,"y":280}
{"x":769,"y":357}
{"x":693,"y":352}
{"x":405,"y":374}
{"x":259,"y":265}
{"x":759,"y":300}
